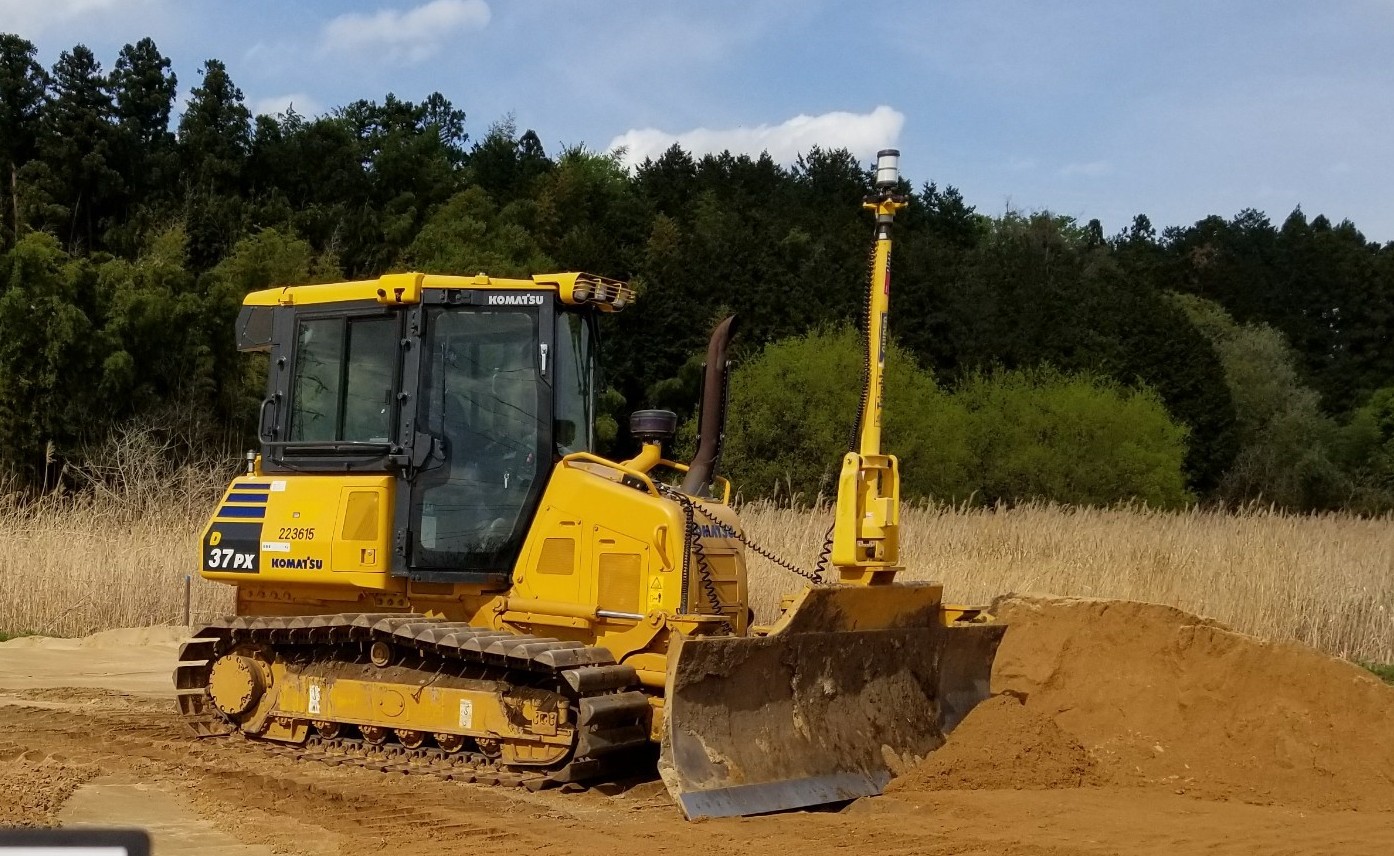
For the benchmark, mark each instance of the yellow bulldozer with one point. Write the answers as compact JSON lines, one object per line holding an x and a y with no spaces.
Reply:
{"x":434,"y":569}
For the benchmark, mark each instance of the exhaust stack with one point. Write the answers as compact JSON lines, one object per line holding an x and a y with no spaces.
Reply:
{"x":711,"y":419}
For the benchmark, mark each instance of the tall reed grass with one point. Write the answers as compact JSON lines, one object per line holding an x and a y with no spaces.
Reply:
{"x":1325,"y":580}
{"x":117,"y":556}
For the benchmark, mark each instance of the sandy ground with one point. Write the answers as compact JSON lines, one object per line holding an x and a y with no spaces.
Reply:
{"x":133,"y":660}
{"x":1196,"y":740}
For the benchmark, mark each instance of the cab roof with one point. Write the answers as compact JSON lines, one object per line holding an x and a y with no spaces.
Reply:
{"x":399,"y":289}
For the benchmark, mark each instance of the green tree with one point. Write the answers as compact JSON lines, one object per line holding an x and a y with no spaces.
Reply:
{"x":309,"y":175}
{"x":77,"y":150}
{"x":414,"y":155}
{"x":753,"y":238}
{"x":999,"y":437}
{"x":23,"y":82}
{"x":792,"y":412}
{"x":1325,"y":288}
{"x":587,"y":215}
{"x":49,"y":355}
{"x":1336,"y":308}
{"x":1025,"y":290}
{"x":1367,"y":449}
{"x":1077,"y":438}
{"x":1287,"y":445}
{"x":215,"y":133}
{"x":214,"y":144}
{"x":668,"y":183}
{"x":153,"y":321}
{"x":467,"y":236}
{"x":144,"y":87}
{"x":505,"y":164}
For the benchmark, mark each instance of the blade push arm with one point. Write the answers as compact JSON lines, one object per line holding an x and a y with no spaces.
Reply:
{"x":866,"y":547}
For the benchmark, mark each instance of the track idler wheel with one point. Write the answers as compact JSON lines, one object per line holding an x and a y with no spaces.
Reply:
{"x":450,"y":743}
{"x":375,"y":734}
{"x":411,"y":738}
{"x":381,"y":654}
{"x":236,"y":683}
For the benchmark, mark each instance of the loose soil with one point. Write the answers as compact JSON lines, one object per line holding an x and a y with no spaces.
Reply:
{"x":1002,"y":744}
{"x":1126,"y":729}
{"x":1161,"y":697}
{"x":34,"y":785}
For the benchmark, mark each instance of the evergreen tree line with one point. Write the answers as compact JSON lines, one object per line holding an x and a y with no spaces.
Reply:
{"x":129,"y":237}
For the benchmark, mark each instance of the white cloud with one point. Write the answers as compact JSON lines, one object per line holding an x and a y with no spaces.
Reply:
{"x":30,"y":18}
{"x":861,"y":133}
{"x":404,"y":36}
{"x":274,"y":105}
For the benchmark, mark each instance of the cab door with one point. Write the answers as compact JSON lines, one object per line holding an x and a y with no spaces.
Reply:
{"x":482,"y":434}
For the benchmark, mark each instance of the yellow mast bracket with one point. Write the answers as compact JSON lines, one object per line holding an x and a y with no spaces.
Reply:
{"x":866,"y":526}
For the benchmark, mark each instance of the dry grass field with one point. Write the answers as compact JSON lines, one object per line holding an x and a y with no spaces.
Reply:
{"x":1325,"y":580}
{"x":72,"y":566}
{"x":75,"y":566}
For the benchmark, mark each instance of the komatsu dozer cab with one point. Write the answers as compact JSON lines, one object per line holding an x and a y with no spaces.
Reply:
{"x":435,"y":570}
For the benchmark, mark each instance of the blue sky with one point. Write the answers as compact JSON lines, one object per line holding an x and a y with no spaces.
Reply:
{"x":1176,"y":109}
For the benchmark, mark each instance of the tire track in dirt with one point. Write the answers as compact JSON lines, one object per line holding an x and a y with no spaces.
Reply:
{"x":1082,"y":672}
{"x":308,"y":808}
{"x":349,"y":810}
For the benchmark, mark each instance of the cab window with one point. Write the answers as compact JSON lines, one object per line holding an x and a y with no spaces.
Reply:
{"x":345,"y":369}
{"x":575,"y":384}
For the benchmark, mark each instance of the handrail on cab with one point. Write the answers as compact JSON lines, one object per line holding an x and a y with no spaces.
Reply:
{"x":587,"y":458}
{"x":642,"y":477}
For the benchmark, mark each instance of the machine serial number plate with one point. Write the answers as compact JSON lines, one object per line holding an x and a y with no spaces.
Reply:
{"x":466,"y":713}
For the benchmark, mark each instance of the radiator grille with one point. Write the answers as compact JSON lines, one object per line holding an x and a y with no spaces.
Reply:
{"x":619,"y":582}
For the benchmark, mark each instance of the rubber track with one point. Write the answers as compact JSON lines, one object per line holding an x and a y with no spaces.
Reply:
{"x":611,"y":715}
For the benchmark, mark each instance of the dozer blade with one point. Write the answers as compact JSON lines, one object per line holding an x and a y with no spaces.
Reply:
{"x":965,"y":669}
{"x":852,"y":682}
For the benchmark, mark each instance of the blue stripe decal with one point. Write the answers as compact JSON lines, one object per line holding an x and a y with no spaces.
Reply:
{"x":247,"y":497}
{"x":257,"y":486}
{"x":242,"y":511}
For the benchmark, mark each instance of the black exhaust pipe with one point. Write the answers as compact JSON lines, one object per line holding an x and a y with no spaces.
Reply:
{"x":711,"y":412}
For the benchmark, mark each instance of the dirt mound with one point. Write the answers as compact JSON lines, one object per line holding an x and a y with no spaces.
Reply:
{"x":1002,"y":744}
{"x":121,"y":637}
{"x":1159,"y":696}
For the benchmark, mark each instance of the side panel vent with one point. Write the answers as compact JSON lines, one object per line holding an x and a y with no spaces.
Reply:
{"x":558,"y":556}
